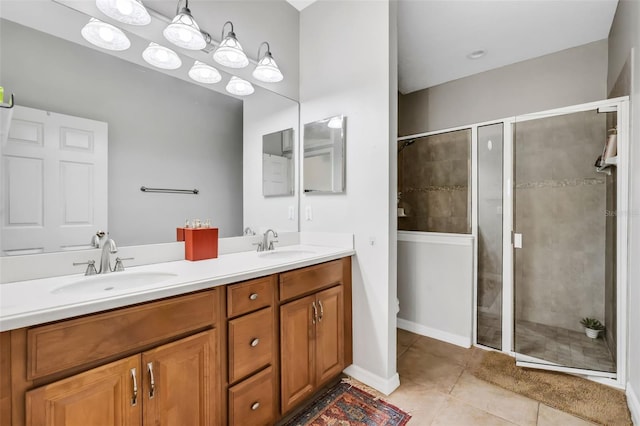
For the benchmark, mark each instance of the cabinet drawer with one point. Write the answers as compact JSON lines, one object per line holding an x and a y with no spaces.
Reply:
{"x":308,"y":280}
{"x":249,"y":296}
{"x":252,"y":402}
{"x":60,"y":346}
{"x":250,"y":343}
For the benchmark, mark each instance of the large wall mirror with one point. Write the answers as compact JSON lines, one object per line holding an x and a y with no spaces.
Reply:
{"x":162,"y":131}
{"x":324,"y":155}
{"x":278,"y":166}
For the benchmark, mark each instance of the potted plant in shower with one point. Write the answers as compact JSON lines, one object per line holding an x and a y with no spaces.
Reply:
{"x":592,"y":327}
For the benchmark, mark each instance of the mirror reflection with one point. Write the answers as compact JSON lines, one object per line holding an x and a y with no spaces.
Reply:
{"x":278,"y":164}
{"x":161,"y":131}
{"x":324,"y":155}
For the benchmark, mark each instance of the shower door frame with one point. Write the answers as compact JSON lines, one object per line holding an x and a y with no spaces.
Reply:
{"x":621,"y":106}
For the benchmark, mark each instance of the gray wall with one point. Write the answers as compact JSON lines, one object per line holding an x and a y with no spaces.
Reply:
{"x":565,"y":78}
{"x":625,"y":36}
{"x":163,"y":132}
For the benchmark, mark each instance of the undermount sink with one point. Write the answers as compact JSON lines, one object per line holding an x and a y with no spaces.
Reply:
{"x":113,"y":282}
{"x":284,"y":253}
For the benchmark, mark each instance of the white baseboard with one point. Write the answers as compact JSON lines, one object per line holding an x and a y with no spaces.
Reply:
{"x":634,"y":404}
{"x":423,"y":330}
{"x":386,"y":386}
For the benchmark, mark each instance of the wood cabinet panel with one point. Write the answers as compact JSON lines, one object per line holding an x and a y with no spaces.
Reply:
{"x":297,"y":358}
{"x":5,"y":378}
{"x":99,"y":336}
{"x":250,"y":343}
{"x":102,"y":396}
{"x":310,"y":279}
{"x":250,"y":296}
{"x":180,"y":381}
{"x":252,"y":402}
{"x":329,"y":335}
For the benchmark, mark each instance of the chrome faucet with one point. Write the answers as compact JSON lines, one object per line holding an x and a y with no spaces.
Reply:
{"x":108,"y":248}
{"x":266,"y":244}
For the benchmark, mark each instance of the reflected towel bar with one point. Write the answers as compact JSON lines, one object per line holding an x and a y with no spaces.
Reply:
{"x":169,"y":191}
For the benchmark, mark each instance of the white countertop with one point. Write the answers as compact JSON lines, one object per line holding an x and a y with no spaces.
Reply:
{"x":26,"y":303}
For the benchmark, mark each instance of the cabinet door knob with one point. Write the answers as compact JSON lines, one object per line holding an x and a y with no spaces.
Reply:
{"x":152,"y":381}
{"x":255,"y":406}
{"x":134,"y":397}
{"x":255,"y":342}
{"x":253,"y":296}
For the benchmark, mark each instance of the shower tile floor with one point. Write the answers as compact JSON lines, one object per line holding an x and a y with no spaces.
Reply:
{"x":558,"y":345}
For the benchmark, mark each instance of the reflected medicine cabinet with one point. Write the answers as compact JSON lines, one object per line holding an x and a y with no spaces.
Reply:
{"x":324,"y":156}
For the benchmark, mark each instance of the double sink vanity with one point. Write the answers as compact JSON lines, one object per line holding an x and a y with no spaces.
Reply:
{"x":243,"y":339}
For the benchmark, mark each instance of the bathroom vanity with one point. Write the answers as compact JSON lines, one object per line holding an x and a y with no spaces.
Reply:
{"x":225,"y":351}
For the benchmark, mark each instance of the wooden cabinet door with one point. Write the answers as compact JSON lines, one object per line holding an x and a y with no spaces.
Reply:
{"x":329,"y":342}
{"x":102,"y":396}
{"x":180,"y":382}
{"x":296,"y":351}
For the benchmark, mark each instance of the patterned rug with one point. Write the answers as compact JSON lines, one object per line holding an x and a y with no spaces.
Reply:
{"x":346,"y":405}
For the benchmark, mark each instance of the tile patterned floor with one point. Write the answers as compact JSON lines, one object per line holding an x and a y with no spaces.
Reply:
{"x":437,"y":389}
{"x":558,"y":345}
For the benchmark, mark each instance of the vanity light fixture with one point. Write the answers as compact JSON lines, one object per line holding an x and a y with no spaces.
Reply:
{"x":240,"y":87}
{"x":335,"y":122}
{"x":183,"y":31}
{"x":229,"y":53}
{"x":267,"y":70}
{"x":204,"y":73}
{"x":126,"y":11}
{"x":161,"y":57}
{"x":105,"y":35}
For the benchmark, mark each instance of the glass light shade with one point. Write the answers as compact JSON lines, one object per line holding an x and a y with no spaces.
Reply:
{"x":204,"y":73}
{"x":126,"y":11}
{"x":335,"y":123}
{"x":230,"y":53}
{"x":184,"y":32}
{"x":161,"y":57}
{"x":267,"y":70}
{"x":240,"y":87}
{"x":105,"y":35}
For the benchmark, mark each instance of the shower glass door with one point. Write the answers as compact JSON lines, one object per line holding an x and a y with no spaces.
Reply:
{"x":563,"y":259}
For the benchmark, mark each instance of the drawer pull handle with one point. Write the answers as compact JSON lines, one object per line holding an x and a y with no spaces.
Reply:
{"x":253,"y":296}
{"x":315,"y":312}
{"x":134,"y":397}
{"x":255,"y":406}
{"x":255,"y":342}
{"x":152,"y":381}
{"x":321,"y":311}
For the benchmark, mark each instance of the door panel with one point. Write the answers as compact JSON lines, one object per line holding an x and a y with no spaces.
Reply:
{"x":180,"y":382}
{"x":297,"y":358}
{"x":560,"y":212}
{"x":54,"y":182}
{"x":329,"y":334}
{"x":102,"y":396}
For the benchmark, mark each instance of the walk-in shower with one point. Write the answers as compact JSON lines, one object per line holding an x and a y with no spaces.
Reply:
{"x":544,"y":207}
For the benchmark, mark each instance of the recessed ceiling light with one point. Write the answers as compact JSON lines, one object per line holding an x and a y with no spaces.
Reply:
{"x":477,"y":54}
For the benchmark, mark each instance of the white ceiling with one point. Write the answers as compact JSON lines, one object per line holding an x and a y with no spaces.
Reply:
{"x":435,"y":36}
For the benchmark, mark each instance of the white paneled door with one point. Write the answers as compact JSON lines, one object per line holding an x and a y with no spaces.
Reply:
{"x":54,"y":182}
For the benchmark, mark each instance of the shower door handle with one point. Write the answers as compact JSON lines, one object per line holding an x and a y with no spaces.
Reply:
{"x":516,"y":239}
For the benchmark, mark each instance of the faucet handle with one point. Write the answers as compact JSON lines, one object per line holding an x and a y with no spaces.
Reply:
{"x":260,"y":246}
{"x":271,"y":244}
{"x":119,"y":267}
{"x":91,"y":267}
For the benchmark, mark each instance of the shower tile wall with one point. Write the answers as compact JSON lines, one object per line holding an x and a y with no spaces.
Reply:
{"x":560,"y":211}
{"x":433,"y":179}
